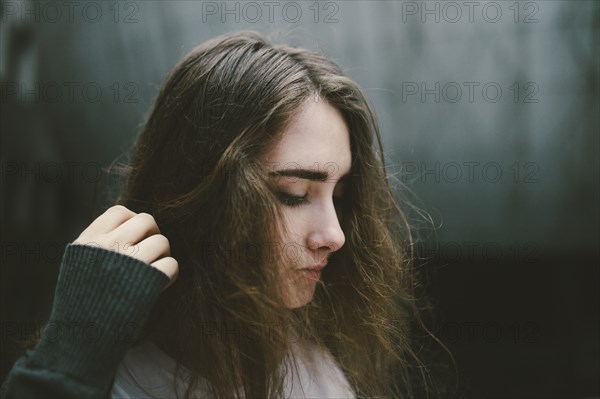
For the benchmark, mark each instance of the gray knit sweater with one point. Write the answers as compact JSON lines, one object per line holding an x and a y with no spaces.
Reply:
{"x":102,"y":301}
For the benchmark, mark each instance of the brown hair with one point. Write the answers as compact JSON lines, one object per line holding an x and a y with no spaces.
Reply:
{"x":195,"y":168}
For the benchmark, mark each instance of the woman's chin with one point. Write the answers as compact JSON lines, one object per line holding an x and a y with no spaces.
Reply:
{"x":300,"y":295}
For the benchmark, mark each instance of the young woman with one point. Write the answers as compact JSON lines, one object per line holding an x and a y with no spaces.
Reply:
{"x":258,"y":183}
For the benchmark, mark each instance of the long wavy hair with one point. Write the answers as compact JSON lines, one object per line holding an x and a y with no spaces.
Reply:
{"x":196,"y":168}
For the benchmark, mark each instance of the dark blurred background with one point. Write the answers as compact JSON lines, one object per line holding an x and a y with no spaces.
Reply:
{"x":489,"y":112}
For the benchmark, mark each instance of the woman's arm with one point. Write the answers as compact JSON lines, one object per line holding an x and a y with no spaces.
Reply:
{"x":102,"y":299}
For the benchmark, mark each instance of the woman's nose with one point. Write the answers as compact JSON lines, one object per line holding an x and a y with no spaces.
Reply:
{"x":326,"y":230}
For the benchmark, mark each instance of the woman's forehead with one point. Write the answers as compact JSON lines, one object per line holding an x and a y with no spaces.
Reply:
{"x":316,"y":139}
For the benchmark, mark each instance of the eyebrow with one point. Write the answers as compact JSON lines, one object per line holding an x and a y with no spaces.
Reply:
{"x":313,"y":175}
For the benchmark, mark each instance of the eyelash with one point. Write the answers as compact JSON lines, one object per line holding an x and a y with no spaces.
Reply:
{"x":294,"y":200}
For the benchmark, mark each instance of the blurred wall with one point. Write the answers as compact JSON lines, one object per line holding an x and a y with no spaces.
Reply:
{"x":489,"y":112}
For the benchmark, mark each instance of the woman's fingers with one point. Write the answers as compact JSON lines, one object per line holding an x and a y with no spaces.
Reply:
{"x":155,"y":251}
{"x":169,"y":266}
{"x":152,"y":248}
{"x":112,"y":218}
{"x":136,"y":235}
{"x":134,"y":230}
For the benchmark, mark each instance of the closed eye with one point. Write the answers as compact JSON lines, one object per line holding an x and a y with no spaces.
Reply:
{"x":292,"y":200}
{"x":295,"y":200}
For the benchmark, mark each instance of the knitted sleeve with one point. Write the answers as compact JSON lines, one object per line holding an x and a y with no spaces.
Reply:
{"x":102,"y":299}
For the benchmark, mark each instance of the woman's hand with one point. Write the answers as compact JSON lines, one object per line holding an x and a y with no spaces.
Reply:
{"x":133,"y":234}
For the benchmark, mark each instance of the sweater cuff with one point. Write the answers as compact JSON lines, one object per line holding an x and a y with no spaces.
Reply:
{"x":102,"y":300}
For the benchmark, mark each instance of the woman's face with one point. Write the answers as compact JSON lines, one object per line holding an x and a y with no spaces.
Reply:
{"x":309,"y":167}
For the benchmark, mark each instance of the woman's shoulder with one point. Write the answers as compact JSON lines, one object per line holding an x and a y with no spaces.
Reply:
{"x":146,"y":371}
{"x":314,"y":373}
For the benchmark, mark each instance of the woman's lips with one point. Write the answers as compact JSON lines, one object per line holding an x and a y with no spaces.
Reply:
{"x":313,"y":273}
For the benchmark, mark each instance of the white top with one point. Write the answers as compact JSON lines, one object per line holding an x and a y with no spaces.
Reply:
{"x":153,"y":370}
